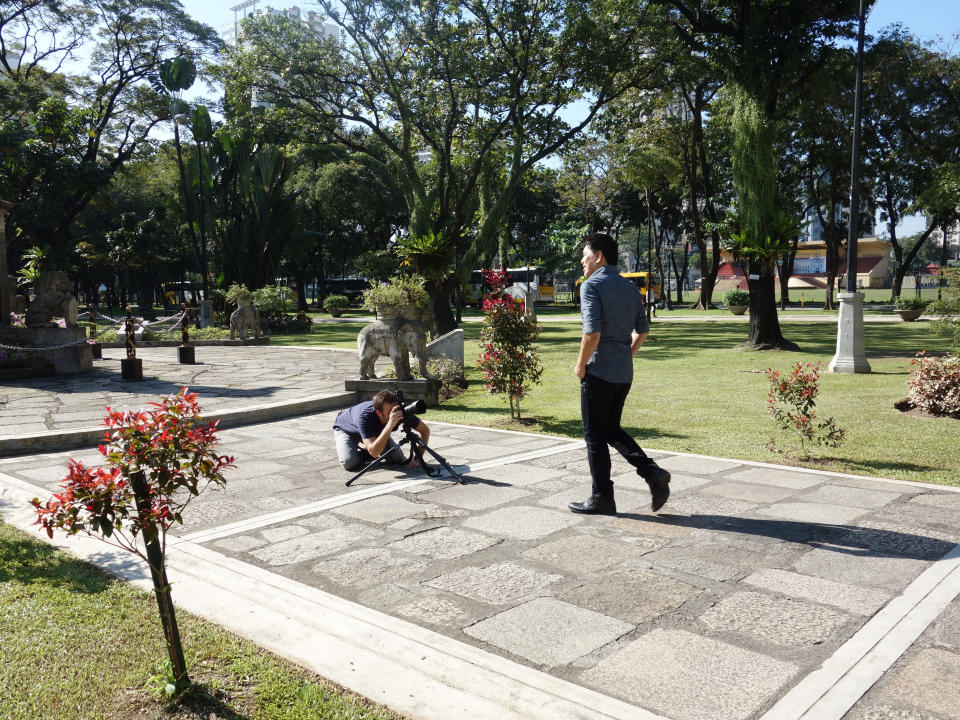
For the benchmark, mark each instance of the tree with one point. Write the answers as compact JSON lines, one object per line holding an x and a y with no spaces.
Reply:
{"x":157,"y":461}
{"x":763,"y":51}
{"x":75,"y":132}
{"x":446,"y":87}
{"x":912,"y":136}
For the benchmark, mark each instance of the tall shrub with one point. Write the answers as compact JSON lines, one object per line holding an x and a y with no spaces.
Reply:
{"x":508,"y":360}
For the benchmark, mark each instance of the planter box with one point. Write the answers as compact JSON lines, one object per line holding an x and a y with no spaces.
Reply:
{"x":738,"y":309}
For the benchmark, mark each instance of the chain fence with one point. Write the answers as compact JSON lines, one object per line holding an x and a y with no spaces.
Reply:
{"x":118,"y":325}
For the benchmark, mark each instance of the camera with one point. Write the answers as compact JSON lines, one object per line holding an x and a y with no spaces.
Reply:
{"x":414,"y":408}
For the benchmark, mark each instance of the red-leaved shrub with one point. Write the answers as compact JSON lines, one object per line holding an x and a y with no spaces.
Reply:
{"x":934,"y":385}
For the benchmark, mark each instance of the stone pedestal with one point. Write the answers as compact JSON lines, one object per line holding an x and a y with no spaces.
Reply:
{"x":76,"y":358}
{"x":186,"y":355}
{"x":131,"y":368}
{"x":96,"y":349}
{"x":206,"y":313}
{"x":426,"y":390}
{"x":850,"y":357}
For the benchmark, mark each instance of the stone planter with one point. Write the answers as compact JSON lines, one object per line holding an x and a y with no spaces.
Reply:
{"x":909,"y":315}
{"x":738,"y":309}
{"x":336,"y":312}
{"x":386,"y":313}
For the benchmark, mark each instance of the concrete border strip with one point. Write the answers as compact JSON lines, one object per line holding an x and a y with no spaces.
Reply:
{"x":829,"y":692}
{"x":260,"y":521}
{"x":57,"y":440}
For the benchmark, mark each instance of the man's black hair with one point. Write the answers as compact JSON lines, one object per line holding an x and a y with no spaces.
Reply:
{"x":603,"y":243}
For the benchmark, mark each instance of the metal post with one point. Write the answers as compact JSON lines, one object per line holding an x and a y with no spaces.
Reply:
{"x":854,"y":229}
{"x":131,"y":367}
{"x":185,"y":353}
{"x":95,"y":348}
{"x":851,"y":356}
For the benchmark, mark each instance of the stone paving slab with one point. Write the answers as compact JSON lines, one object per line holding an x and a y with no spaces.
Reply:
{"x":749,"y":579}
{"x":225,"y":377}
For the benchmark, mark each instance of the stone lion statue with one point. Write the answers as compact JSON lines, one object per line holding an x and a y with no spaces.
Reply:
{"x":244,"y":318}
{"x":397,"y":338}
{"x":52,"y":298}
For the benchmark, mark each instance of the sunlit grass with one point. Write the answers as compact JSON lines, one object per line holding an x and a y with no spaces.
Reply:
{"x":695,"y":391}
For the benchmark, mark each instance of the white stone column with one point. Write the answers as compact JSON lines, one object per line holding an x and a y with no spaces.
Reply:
{"x":850,"y":357}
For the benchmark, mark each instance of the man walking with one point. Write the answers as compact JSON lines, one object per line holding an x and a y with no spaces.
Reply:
{"x":614,"y":328}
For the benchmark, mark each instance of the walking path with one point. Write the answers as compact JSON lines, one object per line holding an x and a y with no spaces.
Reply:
{"x":758,"y":592}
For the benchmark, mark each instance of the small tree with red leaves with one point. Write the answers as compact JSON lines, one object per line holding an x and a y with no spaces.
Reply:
{"x":157,"y":461}
{"x":508,"y":360}
{"x":791,"y":402}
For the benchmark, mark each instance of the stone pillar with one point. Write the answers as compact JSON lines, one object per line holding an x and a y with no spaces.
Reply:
{"x":850,"y":357}
{"x":5,"y":291}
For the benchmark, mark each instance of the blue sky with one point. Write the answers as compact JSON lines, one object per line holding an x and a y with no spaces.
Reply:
{"x":925,"y":18}
{"x":929,"y":20}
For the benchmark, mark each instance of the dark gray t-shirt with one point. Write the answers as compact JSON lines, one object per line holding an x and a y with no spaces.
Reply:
{"x":361,"y":421}
{"x":611,"y":305}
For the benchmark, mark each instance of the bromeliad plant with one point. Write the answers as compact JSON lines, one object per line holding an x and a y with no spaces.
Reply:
{"x":157,"y":461}
{"x":791,"y":402}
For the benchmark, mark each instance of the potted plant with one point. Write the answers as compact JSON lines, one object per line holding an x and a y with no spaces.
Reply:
{"x":909,"y":308}
{"x":737,"y":301}
{"x":335,"y":304}
{"x":402,"y":296}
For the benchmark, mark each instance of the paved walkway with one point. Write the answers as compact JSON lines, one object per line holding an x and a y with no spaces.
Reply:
{"x":758,"y":591}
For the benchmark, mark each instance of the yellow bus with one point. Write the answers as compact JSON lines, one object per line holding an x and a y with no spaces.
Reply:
{"x":640,"y":279}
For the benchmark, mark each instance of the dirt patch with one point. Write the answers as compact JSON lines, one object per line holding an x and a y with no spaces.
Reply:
{"x":213,"y":695}
{"x":908,"y":408}
{"x":515,"y":424}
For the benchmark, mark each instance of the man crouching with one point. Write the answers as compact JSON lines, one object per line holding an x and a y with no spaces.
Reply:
{"x":362,"y":432}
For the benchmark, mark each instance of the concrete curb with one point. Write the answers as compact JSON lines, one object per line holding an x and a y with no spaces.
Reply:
{"x":58,"y":440}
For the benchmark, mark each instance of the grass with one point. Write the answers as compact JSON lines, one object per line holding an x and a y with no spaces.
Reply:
{"x":76,"y":643}
{"x":695,"y":391}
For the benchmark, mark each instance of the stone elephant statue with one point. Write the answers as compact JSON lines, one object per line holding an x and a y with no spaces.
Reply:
{"x":52,"y":298}
{"x":244,"y":318}
{"x":397,"y":338}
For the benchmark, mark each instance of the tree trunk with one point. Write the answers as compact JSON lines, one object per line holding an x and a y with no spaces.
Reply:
{"x":443,"y":320}
{"x":300,"y":277}
{"x":764,"y":324}
{"x":786,"y":271}
{"x":161,"y":586}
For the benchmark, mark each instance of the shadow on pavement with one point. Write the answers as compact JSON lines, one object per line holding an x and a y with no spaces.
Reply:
{"x":846,"y":539}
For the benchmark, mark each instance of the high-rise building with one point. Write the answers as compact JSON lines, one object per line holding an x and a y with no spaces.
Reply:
{"x":310,"y":21}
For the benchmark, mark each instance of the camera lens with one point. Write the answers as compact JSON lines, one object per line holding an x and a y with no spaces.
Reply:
{"x":417,"y":406}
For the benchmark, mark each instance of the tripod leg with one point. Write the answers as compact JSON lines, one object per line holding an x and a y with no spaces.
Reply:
{"x":418,"y":444}
{"x":380,"y":460}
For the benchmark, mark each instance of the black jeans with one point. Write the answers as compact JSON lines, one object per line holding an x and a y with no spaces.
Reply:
{"x":601,"y":404}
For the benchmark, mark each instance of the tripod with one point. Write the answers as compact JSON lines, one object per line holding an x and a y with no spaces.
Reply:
{"x":417,"y":446}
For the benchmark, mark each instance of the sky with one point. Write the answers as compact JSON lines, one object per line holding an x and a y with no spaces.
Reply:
{"x":936,"y":21}
{"x":925,"y":18}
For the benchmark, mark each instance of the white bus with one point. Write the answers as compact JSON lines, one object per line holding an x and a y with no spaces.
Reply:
{"x":521,"y":280}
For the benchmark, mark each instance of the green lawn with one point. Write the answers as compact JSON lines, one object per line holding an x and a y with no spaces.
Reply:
{"x":76,"y":643}
{"x":695,"y":391}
